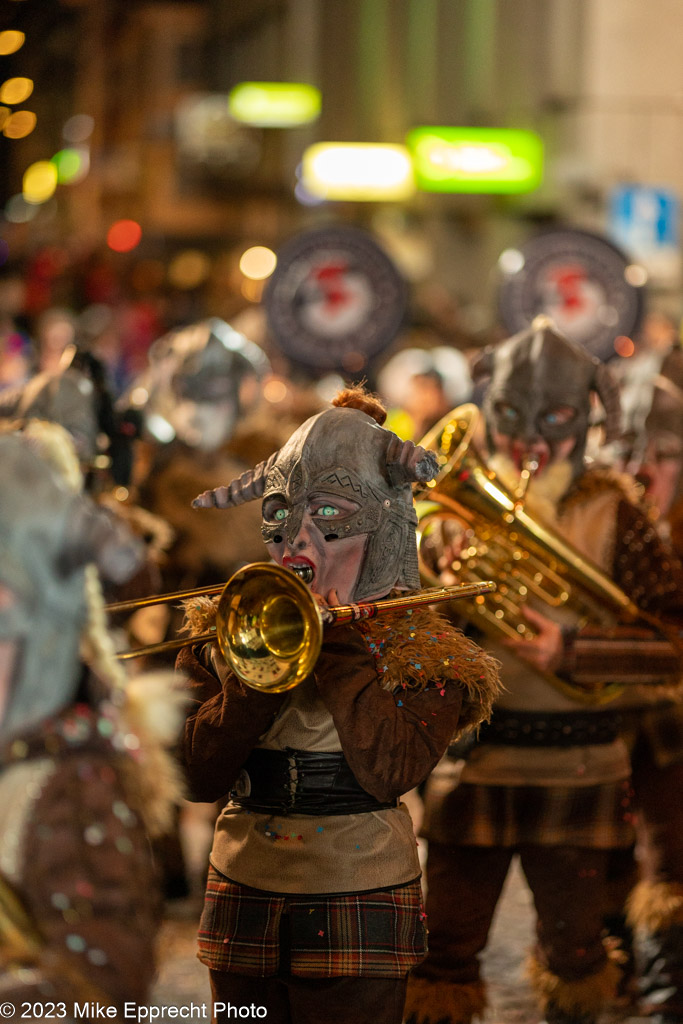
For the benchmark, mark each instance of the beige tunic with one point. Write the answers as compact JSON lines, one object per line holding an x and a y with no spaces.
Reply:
{"x":300,"y":853}
{"x":589,"y":527}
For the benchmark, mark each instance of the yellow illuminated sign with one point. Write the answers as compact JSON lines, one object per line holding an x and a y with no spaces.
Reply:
{"x":359,"y":171}
{"x":476,"y":159}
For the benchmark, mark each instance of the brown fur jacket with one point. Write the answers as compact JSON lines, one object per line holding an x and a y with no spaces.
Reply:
{"x":398,"y":689}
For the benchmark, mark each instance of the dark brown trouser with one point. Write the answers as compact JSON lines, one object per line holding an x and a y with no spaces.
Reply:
{"x":292,"y":1000}
{"x":464,"y":884}
{"x":659,"y":803}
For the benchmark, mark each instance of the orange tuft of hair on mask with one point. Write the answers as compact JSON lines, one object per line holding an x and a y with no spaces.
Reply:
{"x":359,"y":398}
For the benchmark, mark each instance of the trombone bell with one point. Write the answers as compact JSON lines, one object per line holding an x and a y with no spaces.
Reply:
{"x":269,"y":627}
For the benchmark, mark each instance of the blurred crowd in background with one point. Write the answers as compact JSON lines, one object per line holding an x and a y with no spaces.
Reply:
{"x":165,"y":400}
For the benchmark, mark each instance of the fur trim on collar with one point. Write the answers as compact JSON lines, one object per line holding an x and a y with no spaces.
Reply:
{"x":599,"y":479}
{"x":413,"y":648}
{"x":417,"y":647}
{"x":200,"y":615}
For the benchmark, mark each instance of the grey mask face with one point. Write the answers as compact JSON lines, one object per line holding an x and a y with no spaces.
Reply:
{"x":343,"y":452}
{"x":540,"y":388}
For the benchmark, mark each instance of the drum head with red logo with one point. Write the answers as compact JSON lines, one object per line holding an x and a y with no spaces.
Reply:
{"x":335,"y":299}
{"x":591,"y":290}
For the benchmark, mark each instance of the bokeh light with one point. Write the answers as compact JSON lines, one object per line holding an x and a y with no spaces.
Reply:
{"x":124,"y":235}
{"x":275,"y":390}
{"x":11,"y":40}
{"x":189,"y":269}
{"x":467,"y":159}
{"x":353,"y":362}
{"x":511,"y":261}
{"x":139,"y":396}
{"x":78,"y":128}
{"x":39,"y":182}
{"x":18,"y":211}
{"x":19,"y":124}
{"x":362,"y":171}
{"x":72,"y":165}
{"x":252,"y":290}
{"x":258,"y":262}
{"x":635,"y":275}
{"x":15,"y":90}
{"x":624,"y":346}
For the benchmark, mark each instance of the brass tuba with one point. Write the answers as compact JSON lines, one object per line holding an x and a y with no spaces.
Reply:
{"x":499,"y":539}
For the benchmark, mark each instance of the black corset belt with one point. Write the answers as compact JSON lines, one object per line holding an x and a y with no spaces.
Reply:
{"x":550,"y":729}
{"x":301,"y":782}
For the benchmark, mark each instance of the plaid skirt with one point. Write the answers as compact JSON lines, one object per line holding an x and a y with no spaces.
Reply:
{"x":597,"y":817}
{"x":378,"y":934}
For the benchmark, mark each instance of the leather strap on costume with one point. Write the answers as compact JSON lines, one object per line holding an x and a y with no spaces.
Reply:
{"x":552,"y":729}
{"x":301,"y":782}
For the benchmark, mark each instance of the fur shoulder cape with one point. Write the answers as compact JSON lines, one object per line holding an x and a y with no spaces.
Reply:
{"x":598,"y":479}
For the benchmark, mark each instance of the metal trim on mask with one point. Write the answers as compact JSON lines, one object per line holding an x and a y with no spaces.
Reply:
{"x":340,"y":482}
{"x":352,"y":524}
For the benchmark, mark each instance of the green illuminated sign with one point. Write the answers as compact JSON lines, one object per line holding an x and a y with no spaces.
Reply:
{"x":476,"y":159}
{"x":274,"y":104}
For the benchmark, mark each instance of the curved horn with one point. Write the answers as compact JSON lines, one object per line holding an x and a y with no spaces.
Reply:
{"x":408,"y":462}
{"x":247,"y":487}
{"x":607,"y":388}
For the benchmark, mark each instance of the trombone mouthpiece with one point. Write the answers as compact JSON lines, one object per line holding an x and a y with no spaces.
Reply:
{"x":304,"y":572}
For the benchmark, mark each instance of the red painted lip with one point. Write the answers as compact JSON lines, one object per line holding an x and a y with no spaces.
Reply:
{"x":298,"y":560}
{"x":520,"y":454}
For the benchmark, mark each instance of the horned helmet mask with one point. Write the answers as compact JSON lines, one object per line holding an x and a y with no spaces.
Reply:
{"x":200,"y":380}
{"x":538,"y":372}
{"x":346,"y":452}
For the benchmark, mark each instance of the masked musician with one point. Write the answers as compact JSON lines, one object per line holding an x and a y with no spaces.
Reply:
{"x":84,"y":779}
{"x":549,"y":778}
{"x":201,"y":381}
{"x":661,"y":468}
{"x":313,"y":904}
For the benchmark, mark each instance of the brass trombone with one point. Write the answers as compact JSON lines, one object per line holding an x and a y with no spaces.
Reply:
{"x":269,"y":627}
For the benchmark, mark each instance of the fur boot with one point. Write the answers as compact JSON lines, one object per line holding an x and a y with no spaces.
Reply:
{"x":573,"y":1002}
{"x":443,"y":1002}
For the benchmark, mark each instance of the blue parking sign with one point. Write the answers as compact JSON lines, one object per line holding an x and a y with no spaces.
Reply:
{"x":644,"y":219}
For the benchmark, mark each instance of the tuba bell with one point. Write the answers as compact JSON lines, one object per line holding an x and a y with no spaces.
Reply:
{"x":497,"y":538}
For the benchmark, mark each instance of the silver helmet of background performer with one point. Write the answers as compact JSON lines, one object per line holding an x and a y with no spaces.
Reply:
{"x":200,"y":381}
{"x":534,"y":372}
